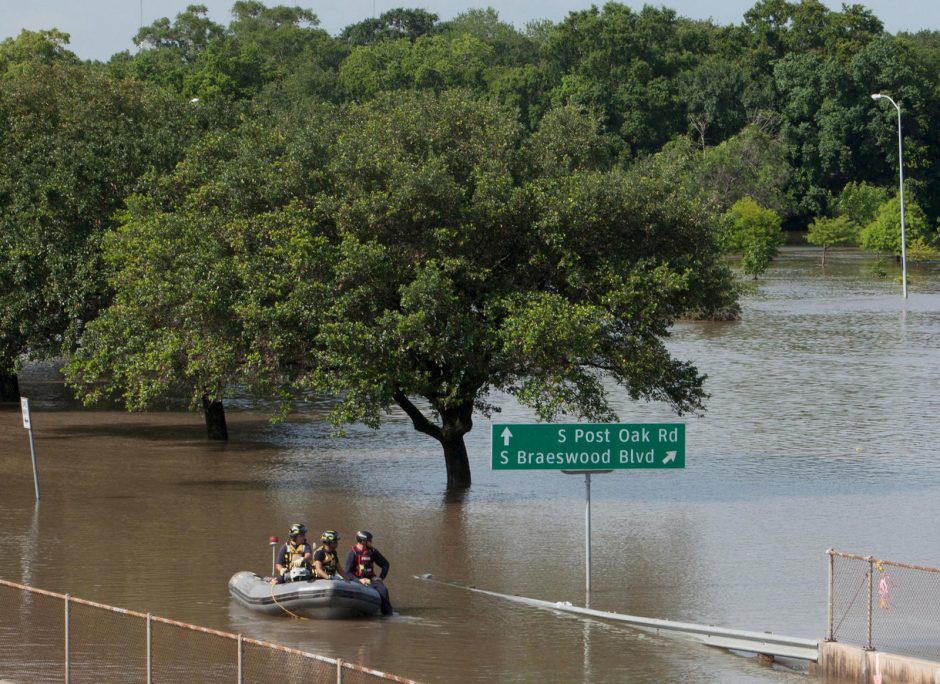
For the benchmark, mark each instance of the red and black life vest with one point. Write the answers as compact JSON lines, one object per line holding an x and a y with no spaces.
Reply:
{"x":363,"y":562}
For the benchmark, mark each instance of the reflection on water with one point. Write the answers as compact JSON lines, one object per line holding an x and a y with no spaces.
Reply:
{"x":821,"y":432}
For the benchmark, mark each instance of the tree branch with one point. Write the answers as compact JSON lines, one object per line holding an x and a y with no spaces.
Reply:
{"x":418,"y":420}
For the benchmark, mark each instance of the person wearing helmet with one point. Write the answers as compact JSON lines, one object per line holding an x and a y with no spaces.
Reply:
{"x":361,"y":562}
{"x":295,"y":555}
{"x":325,"y":560}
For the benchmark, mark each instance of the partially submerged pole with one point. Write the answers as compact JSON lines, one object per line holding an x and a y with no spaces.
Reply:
{"x":27,"y":423}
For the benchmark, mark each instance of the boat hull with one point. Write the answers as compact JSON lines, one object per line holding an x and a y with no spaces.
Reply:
{"x":319,"y":600}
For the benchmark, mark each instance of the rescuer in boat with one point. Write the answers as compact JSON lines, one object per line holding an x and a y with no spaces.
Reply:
{"x":360,"y":564}
{"x":295,"y":556}
{"x":325,"y":559}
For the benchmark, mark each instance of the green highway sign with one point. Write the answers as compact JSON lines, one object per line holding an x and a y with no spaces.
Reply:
{"x":545,"y":446}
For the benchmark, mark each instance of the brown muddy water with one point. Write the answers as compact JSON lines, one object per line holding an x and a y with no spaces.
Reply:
{"x":822,"y":432}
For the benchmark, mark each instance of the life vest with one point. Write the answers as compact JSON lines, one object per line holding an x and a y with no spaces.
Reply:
{"x":329,"y":562}
{"x":363,"y":563}
{"x":293,"y":552}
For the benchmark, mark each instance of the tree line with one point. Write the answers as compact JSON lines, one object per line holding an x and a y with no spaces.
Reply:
{"x":422,"y":214}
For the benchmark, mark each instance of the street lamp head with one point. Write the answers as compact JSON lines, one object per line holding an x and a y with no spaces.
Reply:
{"x":876,"y":96}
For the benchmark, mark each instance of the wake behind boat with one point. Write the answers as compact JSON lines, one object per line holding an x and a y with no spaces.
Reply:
{"x":319,"y":599}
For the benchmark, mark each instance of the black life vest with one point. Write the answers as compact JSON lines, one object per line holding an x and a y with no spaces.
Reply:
{"x":329,"y":562}
{"x":363,"y":563}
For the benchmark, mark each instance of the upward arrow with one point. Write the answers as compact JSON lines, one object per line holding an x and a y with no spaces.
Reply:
{"x":505,"y":434}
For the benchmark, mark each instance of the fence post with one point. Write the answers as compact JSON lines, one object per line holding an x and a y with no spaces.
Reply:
{"x":339,"y":671}
{"x":67,"y":673}
{"x":829,"y":635}
{"x":149,"y":650}
{"x":871,"y":589}
{"x":241,"y":676}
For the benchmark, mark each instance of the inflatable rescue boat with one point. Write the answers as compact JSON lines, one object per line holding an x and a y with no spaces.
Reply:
{"x":318,"y":599}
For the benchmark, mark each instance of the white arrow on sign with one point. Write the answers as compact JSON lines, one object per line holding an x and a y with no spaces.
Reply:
{"x":670,"y":457}
{"x":505,"y":434}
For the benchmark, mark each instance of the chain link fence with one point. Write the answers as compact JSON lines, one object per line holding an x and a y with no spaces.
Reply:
{"x":49,"y":637}
{"x":884,"y":605}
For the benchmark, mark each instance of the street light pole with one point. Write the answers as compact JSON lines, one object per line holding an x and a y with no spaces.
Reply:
{"x":879,"y":96}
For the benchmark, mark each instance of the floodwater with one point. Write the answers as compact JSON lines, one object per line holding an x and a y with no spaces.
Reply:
{"x":822,"y":432}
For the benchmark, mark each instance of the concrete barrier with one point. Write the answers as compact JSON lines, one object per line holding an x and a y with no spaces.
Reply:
{"x":844,"y":663}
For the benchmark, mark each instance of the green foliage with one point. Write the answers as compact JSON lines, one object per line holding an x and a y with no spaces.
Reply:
{"x":75,"y":143}
{"x":827,"y":232}
{"x":626,"y":65}
{"x":430,"y":63}
{"x":883,"y":233}
{"x":32,"y":48}
{"x":261,"y":47}
{"x":403,"y":248}
{"x":713,"y":91}
{"x":395,"y":24}
{"x":860,"y":201}
{"x":753,"y":231}
{"x":569,"y":139}
{"x":510,"y":47}
{"x":749,"y":164}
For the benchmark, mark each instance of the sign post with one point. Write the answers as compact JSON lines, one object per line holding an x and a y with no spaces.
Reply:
{"x":587,"y":527}
{"x":578,"y":449}
{"x":24,"y":404}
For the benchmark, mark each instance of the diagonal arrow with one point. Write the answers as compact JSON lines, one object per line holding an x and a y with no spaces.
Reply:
{"x":670,"y":457}
{"x":505,"y":434}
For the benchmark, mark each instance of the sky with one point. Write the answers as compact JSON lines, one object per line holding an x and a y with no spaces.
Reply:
{"x":100,"y":28}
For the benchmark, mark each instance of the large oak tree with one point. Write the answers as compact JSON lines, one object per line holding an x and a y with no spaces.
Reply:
{"x":416,"y":251}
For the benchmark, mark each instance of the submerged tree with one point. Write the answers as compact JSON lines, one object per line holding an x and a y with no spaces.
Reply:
{"x":828,"y":231}
{"x":420,"y":263}
{"x":755,"y":232}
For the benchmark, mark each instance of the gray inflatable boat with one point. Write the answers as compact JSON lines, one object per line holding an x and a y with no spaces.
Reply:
{"x":320,"y":599}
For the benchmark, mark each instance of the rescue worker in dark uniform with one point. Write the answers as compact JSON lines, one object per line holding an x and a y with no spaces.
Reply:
{"x":296,"y":553}
{"x":361,"y":562}
{"x":325,"y":559}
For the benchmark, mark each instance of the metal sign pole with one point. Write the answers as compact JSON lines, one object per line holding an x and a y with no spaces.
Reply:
{"x":587,"y":527}
{"x":587,"y":540}
{"x":24,"y":404}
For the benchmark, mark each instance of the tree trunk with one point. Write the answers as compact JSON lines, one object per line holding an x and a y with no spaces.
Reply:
{"x":457,"y":463}
{"x":9,"y":387}
{"x":215,"y":418}
{"x":455,"y":423}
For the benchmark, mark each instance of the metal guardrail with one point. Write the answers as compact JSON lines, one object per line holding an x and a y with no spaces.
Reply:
{"x":764,"y":643}
{"x":99,"y":643}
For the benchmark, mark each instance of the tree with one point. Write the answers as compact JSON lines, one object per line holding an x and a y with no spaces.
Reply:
{"x":827,"y":232}
{"x":75,"y":142}
{"x":860,"y":201}
{"x":753,"y":231}
{"x":626,"y":65}
{"x":510,"y":47}
{"x":430,"y":63}
{"x":208,"y":267}
{"x":422,"y":265}
{"x":883,"y":233}
{"x":35,"y":47}
{"x":456,"y":279}
{"x":398,"y":23}
{"x":712,"y":92}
